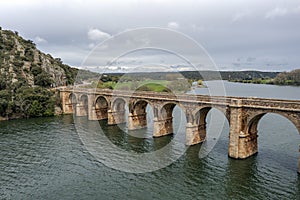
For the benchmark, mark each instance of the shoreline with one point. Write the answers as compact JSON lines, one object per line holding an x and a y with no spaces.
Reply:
{"x":261,"y":83}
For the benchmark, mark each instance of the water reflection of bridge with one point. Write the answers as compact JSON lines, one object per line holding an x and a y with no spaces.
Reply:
{"x":243,"y":114}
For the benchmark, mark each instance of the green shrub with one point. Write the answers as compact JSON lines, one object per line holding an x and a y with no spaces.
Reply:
{"x":35,"y":69}
{"x":43,"y":80}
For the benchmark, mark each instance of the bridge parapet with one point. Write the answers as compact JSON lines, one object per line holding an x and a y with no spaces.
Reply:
{"x":249,"y":102}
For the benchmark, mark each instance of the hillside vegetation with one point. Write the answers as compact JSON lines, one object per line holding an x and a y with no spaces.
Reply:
{"x":174,"y":81}
{"x":23,"y":64}
{"x":25,"y":76}
{"x":283,"y":78}
{"x":288,"y":78}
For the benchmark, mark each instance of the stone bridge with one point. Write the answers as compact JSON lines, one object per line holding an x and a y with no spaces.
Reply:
{"x":243,"y":114}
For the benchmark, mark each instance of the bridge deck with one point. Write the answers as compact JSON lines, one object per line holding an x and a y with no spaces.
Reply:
{"x":249,"y":102}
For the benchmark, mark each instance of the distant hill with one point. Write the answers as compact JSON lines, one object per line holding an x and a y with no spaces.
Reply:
{"x":288,"y":78}
{"x":206,"y":75}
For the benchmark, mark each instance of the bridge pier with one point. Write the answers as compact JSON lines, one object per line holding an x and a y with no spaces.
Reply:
{"x":69,"y":108}
{"x":98,"y":114}
{"x":101,"y":113}
{"x":137,"y":121}
{"x":247,"y":145}
{"x":92,"y":113}
{"x":195,"y":134}
{"x":80,"y":110}
{"x":116,"y":117}
{"x":162,"y":127}
{"x":242,"y":144}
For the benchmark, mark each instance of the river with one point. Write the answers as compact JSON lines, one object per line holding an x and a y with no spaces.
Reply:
{"x":44,"y":158}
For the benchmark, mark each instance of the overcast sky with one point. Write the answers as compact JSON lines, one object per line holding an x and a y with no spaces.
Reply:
{"x":238,"y":35}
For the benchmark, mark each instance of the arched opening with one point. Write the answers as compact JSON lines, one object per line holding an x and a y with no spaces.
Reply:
{"x":172,"y":120}
{"x":72,"y":98}
{"x":118,"y":112}
{"x":277,"y":141}
{"x":101,"y":108}
{"x":119,"y":105}
{"x":179,"y":123}
{"x":139,"y":115}
{"x":83,"y":109}
{"x":72,"y":101}
{"x":167,"y":110}
{"x":212,"y":126}
{"x":200,"y":121}
{"x":253,"y":124}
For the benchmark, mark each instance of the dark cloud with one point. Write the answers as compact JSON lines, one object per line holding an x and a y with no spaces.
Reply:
{"x":264,"y":35}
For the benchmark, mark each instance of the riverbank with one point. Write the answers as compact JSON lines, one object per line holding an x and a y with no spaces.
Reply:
{"x":268,"y":82}
{"x":291,"y":78}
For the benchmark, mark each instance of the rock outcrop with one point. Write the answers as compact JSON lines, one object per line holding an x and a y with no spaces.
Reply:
{"x":21,"y":63}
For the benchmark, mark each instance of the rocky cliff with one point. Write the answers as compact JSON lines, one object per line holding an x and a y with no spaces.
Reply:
{"x":21,"y":63}
{"x":26,"y":75}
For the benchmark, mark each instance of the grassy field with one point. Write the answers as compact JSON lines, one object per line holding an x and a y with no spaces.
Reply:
{"x":146,"y":85}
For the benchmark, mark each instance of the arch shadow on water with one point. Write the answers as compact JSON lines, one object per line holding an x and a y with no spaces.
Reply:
{"x":277,"y":139}
{"x":272,"y":171}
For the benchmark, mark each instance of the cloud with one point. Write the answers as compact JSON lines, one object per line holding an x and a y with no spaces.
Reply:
{"x":91,"y":45}
{"x":173,"y":25}
{"x":97,"y":35}
{"x":40,"y":40}
{"x":241,"y":15}
{"x":276,"y":12}
{"x":296,"y":10}
{"x":196,"y":28}
{"x":251,"y":59}
{"x":231,"y":30}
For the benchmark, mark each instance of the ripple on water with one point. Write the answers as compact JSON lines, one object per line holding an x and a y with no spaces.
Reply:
{"x":45,"y":159}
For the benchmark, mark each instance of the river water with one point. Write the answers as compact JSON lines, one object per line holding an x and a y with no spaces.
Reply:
{"x":45,"y":158}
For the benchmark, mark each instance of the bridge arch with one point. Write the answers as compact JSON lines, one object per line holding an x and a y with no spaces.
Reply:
{"x":252,"y":129}
{"x":139,"y":106}
{"x":200,"y":113}
{"x":199,"y":124}
{"x":83,"y":107}
{"x":166,"y":109}
{"x":167,"y":121}
{"x":72,"y":98}
{"x":71,"y":103}
{"x":138,"y":114}
{"x":254,"y":120}
{"x":118,"y":104}
{"x":83,"y":99}
{"x":117,"y":112}
{"x":101,"y":107}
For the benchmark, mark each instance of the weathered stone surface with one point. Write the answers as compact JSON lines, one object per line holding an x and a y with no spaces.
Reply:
{"x":243,"y":114}
{"x":162,"y":127}
{"x":195,"y":134}
{"x":116,"y":117}
{"x":137,"y":121}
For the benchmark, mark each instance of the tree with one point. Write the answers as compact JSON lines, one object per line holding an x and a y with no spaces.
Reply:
{"x":36,"y":70}
{"x":200,"y":82}
{"x":36,"y":109}
{"x":3,"y":106}
{"x":43,"y":80}
{"x":288,"y":78}
{"x":35,"y":102}
{"x":2,"y":82}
